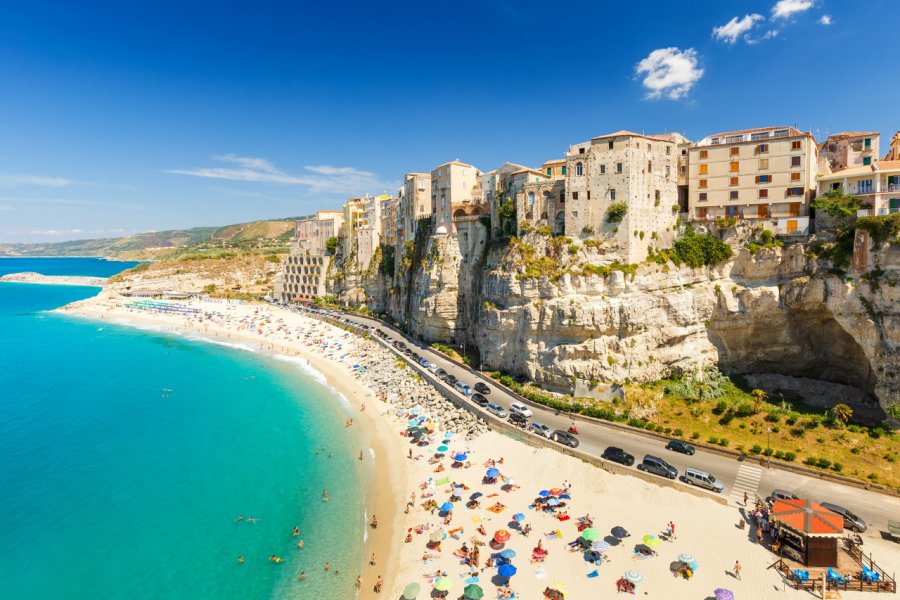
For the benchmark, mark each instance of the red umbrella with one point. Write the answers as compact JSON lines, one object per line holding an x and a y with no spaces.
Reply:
{"x":556,"y":492}
{"x":501,"y":536}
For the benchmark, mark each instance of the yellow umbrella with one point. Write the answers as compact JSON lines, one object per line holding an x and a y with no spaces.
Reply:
{"x":560,"y":587}
{"x":652,"y":541}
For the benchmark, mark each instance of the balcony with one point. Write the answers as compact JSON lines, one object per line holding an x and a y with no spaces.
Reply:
{"x":876,"y":212}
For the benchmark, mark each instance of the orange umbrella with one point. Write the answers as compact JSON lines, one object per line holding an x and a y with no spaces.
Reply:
{"x":501,"y":536}
{"x":556,"y":492}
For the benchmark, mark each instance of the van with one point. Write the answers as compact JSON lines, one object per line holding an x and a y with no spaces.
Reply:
{"x":780,"y":495}
{"x":657,"y":466}
{"x":520,"y":409}
{"x":703,"y":479}
{"x":851,"y":521}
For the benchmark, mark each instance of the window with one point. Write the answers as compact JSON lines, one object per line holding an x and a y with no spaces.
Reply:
{"x":703,"y":183}
{"x":795,"y":191}
{"x":735,"y":151}
{"x":656,"y":195}
{"x":764,"y":163}
{"x":530,"y":198}
{"x":795,"y":145}
{"x":864,"y":186}
{"x":603,"y":169}
{"x":702,"y":197}
{"x":795,"y":161}
{"x":735,"y":166}
{"x":762,"y":148}
{"x":549,"y":171}
{"x":618,"y":167}
{"x":704,"y":169}
{"x":668,"y":150}
{"x":682,"y":170}
{"x":668,"y":171}
{"x":589,"y":194}
{"x":795,"y":176}
{"x":610,"y":145}
{"x":704,"y":154}
{"x":562,"y":196}
{"x":733,"y":181}
{"x":733,"y":195}
{"x":612,"y":194}
{"x":649,"y":166}
{"x":867,"y":143}
{"x":574,"y":195}
{"x":867,"y":160}
{"x":763,"y":193}
{"x":763,"y":179}
{"x":564,"y":170}
{"x":579,"y":171}
{"x":581,"y":151}
{"x":575,"y":213}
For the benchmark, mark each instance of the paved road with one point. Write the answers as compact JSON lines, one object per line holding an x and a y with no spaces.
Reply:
{"x":736,"y":475}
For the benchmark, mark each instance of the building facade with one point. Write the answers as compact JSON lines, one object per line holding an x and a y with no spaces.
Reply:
{"x":452,"y":183}
{"x":414,"y":204}
{"x":767,"y":174}
{"x":848,"y":150}
{"x":877,"y":185}
{"x":893,"y":152}
{"x":622,"y":188}
{"x":316,"y":231}
{"x":303,"y":273}
{"x":540,"y":199}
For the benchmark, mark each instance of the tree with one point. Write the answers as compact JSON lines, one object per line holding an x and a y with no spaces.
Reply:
{"x":843,"y":412}
{"x":759,"y":396}
{"x":331,"y":245}
{"x":209,"y":289}
{"x":616,"y":212}
{"x":838,"y":204}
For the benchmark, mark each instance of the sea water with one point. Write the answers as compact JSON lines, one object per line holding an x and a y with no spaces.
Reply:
{"x":127,"y":456}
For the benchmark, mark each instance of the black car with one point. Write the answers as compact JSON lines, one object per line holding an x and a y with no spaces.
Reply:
{"x":565,"y":438}
{"x":657,"y":466}
{"x":482,"y":387}
{"x":515,"y":418}
{"x":479,"y":400}
{"x":679,"y":446}
{"x":442,"y":374}
{"x":618,"y":455}
{"x":450,"y":379}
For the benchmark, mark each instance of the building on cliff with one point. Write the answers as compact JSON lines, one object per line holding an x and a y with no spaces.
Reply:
{"x":414,"y":203}
{"x":303,"y":272}
{"x":622,"y":188}
{"x":495,"y":190}
{"x":877,"y":184}
{"x":361,"y":231}
{"x":893,"y":152}
{"x":766,"y":174}
{"x":316,"y":230}
{"x":452,"y":183}
{"x":389,"y":220}
{"x":541,"y":202}
{"x":848,"y":150}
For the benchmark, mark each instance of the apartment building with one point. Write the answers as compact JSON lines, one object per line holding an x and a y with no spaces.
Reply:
{"x":494,"y":185}
{"x":390,"y":206}
{"x":877,"y":184}
{"x":414,"y":204}
{"x":303,"y":273}
{"x":682,"y":146}
{"x":634,"y":175}
{"x":847,"y":150}
{"x":451,"y":183}
{"x":361,"y":230}
{"x":767,"y":174}
{"x":542,"y":198}
{"x":316,"y":230}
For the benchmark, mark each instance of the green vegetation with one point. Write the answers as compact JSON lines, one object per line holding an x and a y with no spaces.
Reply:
{"x":699,"y":250}
{"x":444,"y":349}
{"x":331,"y":245}
{"x":209,"y":289}
{"x":616,"y":212}
{"x":725,"y":222}
{"x":606,"y":270}
{"x":507,"y":210}
{"x":838,"y":204}
{"x":386,"y":266}
{"x":766,"y":240}
{"x":882,"y":228}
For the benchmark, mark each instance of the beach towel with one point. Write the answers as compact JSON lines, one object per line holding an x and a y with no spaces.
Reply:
{"x":497,"y":508}
{"x":476,"y":518}
{"x":593,"y":574}
{"x":442,"y":481}
{"x":470,"y":580}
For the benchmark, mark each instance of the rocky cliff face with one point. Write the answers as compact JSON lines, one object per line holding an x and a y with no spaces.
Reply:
{"x":541,"y":309}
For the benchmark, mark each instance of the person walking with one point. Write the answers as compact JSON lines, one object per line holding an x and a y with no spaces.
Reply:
{"x":746,"y":498}
{"x":737,"y":569}
{"x":759,"y":537}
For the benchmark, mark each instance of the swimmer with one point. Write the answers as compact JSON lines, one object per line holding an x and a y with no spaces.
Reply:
{"x":275,"y":559}
{"x":325,"y":495}
{"x":329,"y":455}
{"x":240,"y":518}
{"x":302,"y":576}
{"x":327,"y":566}
{"x":300,"y":545}
{"x":241,"y":559}
{"x":360,"y":455}
{"x":296,"y":531}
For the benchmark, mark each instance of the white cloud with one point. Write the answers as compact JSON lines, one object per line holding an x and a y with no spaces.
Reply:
{"x":788,"y":8}
{"x":54,"y":232}
{"x":735,"y":28}
{"x":317,"y":178}
{"x":14,"y":180}
{"x":670,"y":72}
{"x":825,"y":20}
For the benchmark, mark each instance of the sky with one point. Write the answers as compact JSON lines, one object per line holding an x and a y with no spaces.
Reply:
{"x":117,"y":118}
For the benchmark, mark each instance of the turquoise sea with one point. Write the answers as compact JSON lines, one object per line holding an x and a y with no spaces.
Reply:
{"x":126,"y":457}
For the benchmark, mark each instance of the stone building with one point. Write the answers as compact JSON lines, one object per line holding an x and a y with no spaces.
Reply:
{"x":414,"y":204}
{"x":848,"y":150}
{"x":541,"y":201}
{"x":766,"y":174}
{"x":302,"y":276}
{"x":621,"y":188}
{"x":361,"y":231}
{"x":683,"y":146}
{"x":316,"y":230}
{"x":495,"y":190}
{"x":389,"y":220}
{"x":452,"y":183}
{"x":893,"y":152}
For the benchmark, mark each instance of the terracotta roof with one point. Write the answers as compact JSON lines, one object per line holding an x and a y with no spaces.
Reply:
{"x":808,"y":517}
{"x":625,"y":133}
{"x":850,"y":134}
{"x":851,"y":172}
{"x":791,"y":131}
{"x":454,"y":162}
{"x":887,"y":165}
{"x":555,"y":161}
{"x":527,"y":170}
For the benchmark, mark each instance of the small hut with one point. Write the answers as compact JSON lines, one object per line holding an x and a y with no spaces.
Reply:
{"x":809,"y":532}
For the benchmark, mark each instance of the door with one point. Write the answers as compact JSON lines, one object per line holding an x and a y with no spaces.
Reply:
{"x":791,"y":226}
{"x":894,"y":204}
{"x":732,"y":212}
{"x":762,"y":211}
{"x":701,"y":213}
{"x":795,"y":209}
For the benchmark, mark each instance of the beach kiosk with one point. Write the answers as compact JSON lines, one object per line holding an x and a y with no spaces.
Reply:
{"x":809,"y":533}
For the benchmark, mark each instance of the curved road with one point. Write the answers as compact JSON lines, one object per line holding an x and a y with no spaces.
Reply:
{"x":876,"y":509}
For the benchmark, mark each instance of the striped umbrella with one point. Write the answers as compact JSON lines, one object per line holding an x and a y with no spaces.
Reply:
{"x":686,"y":558}
{"x":634,"y":576}
{"x":600,"y":546}
{"x":501,"y":536}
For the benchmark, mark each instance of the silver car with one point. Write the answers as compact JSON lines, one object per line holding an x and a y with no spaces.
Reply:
{"x":541,"y":429}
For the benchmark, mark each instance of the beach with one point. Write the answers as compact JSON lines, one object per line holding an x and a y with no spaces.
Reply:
{"x":37,"y":278}
{"x":550,"y":491}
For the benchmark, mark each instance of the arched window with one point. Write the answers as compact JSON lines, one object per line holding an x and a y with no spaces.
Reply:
{"x":530,"y":198}
{"x":579,"y":170}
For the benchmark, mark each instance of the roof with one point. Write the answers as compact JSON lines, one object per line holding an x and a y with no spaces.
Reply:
{"x":808,"y":517}
{"x":454,"y":162}
{"x":887,"y":165}
{"x":791,"y":131}
{"x":527,"y":170}
{"x":877,"y":166}
{"x":555,"y":161}
{"x":625,"y":133}
{"x":851,"y":134}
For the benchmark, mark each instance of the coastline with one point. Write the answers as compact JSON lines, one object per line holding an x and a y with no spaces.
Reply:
{"x":385,"y":483}
{"x":39,"y":279}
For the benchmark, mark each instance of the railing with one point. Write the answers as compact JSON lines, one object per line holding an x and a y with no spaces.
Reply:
{"x":885,"y":582}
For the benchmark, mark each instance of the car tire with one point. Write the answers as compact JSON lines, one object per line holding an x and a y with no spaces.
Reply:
{"x":640,"y":467}
{"x":856,"y":529}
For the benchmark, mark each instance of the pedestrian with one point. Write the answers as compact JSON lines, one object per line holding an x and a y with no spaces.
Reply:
{"x":410,"y":454}
{"x":759,"y":535}
{"x":378,"y":583}
{"x":372,"y":560}
{"x":358,"y":582}
{"x":737,"y":569}
{"x":746,"y":497}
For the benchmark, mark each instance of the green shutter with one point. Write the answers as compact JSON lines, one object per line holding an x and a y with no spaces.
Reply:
{"x":867,"y":160}
{"x":563,"y":170}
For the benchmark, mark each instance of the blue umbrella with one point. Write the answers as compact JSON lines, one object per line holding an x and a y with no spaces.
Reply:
{"x":565,"y":496}
{"x":447,"y":506}
{"x":508,"y":553}
{"x":460,"y":457}
{"x":553,"y":502}
{"x":448,"y":435}
{"x":544,"y":493}
{"x":442,"y":448}
{"x":415,"y":411}
{"x":492,"y":473}
{"x":518,"y":517}
{"x":506,"y":570}
{"x":413,"y":422}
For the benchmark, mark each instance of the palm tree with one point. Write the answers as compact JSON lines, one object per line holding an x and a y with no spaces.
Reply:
{"x":843,"y":412}
{"x":759,"y":396}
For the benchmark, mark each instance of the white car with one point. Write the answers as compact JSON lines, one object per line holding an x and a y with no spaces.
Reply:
{"x":433,"y":368}
{"x":520,"y":409}
{"x":541,"y":429}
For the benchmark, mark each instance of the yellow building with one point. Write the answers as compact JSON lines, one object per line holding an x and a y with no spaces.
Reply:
{"x":767,"y":174}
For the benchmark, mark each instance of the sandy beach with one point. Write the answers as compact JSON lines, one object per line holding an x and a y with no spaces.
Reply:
{"x":539,"y":491}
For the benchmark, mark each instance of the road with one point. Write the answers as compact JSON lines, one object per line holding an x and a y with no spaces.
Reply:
{"x":736,"y":475}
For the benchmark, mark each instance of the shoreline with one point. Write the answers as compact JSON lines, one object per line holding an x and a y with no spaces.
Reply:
{"x":39,"y":279}
{"x":380,"y":495}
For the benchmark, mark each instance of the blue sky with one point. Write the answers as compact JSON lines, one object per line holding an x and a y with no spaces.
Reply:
{"x":124,"y":117}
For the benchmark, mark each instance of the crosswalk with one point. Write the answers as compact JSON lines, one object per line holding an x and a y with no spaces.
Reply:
{"x":747,"y":480}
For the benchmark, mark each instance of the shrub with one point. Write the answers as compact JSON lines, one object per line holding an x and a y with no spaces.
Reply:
{"x":650,"y":427}
{"x":678,"y":432}
{"x":724,"y":442}
{"x":756,"y":449}
{"x":659,"y":429}
{"x":790,"y":456}
{"x":768,"y":452}
{"x":616,"y":212}
{"x":331,"y":246}
{"x":798,"y":431}
{"x":779,"y":454}
{"x":882,"y":228}
{"x":713,"y":440}
{"x":695,"y":435}
{"x":699,"y":250}
{"x":744,"y":409}
{"x":790,"y":420}
{"x":838,"y":467}
{"x":587,"y":230}
{"x":823,"y":463}
{"x":721,"y":407}
{"x":667,"y":430}
{"x":810,"y":460}
{"x":772,"y":417}
{"x":727,"y":418}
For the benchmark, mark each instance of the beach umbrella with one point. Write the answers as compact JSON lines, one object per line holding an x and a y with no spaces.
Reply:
{"x":723,"y":594}
{"x":443,"y":584}
{"x":556,"y":492}
{"x":416,"y":410}
{"x":565,"y":497}
{"x":473,"y":591}
{"x":442,"y":448}
{"x":634,"y":576}
{"x":643,"y":549}
{"x":447,"y":506}
{"x":600,"y":546}
{"x":553,"y":502}
{"x":590,"y":534}
{"x":411,"y":591}
{"x":476,"y":496}
{"x":518,"y":517}
{"x":652,"y":541}
{"x":437,"y":535}
{"x":413,"y":422}
{"x":619,"y":532}
{"x":460,"y":457}
{"x":686,"y":558}
{"x":501,"y":536}
{"x":544,"y":493}
{"x":492,"y":473}
{"x":508,"y":553}
{"x":506,"y":571}
{"x":448,"y":435}
{"x":560,"y":587}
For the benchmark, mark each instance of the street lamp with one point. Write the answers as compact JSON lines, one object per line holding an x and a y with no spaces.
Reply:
{"x":768,"y":446}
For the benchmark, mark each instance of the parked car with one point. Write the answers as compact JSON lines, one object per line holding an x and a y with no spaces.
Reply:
{"x":679,"y":446}
{"x":433,"y":368}
{"x":521,"y":409}
{"x":518,"y":420}
{"x":497,"y":410}
{"x":424,"y":362}
{"x":442,"y":374}
{"x":565,"y":438}
{"x":462,"y":388}
{"x":541,"y":429}
{"x":482,"y":387}
{"x":852,"y":521}
{"x":779,"y":495}
{"x":657,"y":466}
{"x":703,"y":479}
{"x":479,"y":400}
{"x":618,"y":455}
{"x":450,"y":379}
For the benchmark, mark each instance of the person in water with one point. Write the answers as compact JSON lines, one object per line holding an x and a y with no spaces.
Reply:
{"x":296,"y":531}
{"x":302,"y":576}
{"x":241,"y":559}
{"x":300,"y":545}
